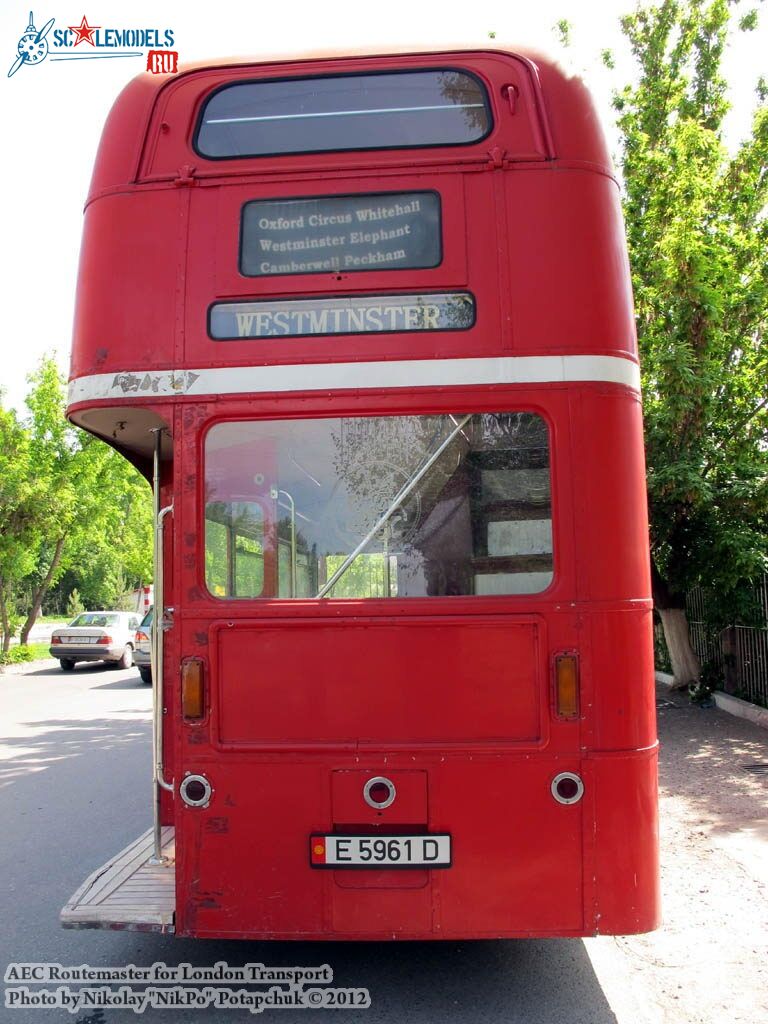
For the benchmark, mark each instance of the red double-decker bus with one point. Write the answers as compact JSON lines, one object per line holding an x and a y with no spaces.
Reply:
{"x":366,"y":322}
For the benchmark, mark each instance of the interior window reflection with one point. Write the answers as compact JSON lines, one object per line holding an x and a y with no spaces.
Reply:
{"x":378,"y":507}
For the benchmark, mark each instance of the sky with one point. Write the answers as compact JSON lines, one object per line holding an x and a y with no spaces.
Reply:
{"x":53,"y":112}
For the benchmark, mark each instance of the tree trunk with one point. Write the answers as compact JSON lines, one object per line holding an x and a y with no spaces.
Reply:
{"x":4,"y":620}
{"x":42,"y":590}
{"x":686,"y":667}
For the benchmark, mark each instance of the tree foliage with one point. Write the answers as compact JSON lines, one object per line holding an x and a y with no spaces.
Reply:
{"x":698,"y":234}
{"x":70,"y":507}
{"x":19,"y":494}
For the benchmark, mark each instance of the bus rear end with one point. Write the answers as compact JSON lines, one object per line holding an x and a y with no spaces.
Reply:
{"x":384,"y":359}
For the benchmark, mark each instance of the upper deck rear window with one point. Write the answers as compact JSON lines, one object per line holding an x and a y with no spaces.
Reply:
{"x":439,"y":107}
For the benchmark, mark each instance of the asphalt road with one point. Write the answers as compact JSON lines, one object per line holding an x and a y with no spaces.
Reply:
{"x":74,"y":789}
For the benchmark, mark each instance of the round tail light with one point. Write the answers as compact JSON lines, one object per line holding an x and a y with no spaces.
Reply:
{"x":567,"y":788}
{"x":379,"y":792}
{"x":195,"y":791}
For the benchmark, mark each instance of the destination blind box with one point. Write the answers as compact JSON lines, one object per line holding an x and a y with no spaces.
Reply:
{"x":385,"y":231}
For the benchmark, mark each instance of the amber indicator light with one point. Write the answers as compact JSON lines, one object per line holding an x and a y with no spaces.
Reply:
{"x":193,"y":688}
{"x":567,"y":686}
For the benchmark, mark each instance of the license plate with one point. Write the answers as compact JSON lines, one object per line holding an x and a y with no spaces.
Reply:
{"x":424,"y":851}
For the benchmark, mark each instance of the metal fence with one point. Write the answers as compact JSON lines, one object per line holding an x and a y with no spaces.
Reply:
{"x":737,"y":655}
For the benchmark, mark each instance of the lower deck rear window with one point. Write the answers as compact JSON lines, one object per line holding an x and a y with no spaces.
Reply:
{"x":377,"y":507}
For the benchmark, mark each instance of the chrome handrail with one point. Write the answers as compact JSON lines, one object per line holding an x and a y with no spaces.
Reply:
{"x":159,"y":781}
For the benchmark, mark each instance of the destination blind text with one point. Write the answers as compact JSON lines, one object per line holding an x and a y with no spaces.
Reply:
{"x":230,"y":321}
{"x":400,"y":234}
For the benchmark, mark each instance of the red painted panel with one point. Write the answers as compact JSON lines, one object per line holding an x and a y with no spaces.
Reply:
{"x":573,"y":122}
{"x":425,"y":680}
{"x":372,"y":879}
{"x":610,"y":492}
{"x":625,"y":896}
{"x":517,"y":853}
{"x":215,"y":227}
{"x":623,"y":671}
{"x":569,"y":283}
{"x":565,"y":227}
{"x":517,"y":861}
{"x":244,"y":860}
{"x":386,"y":912}
{"x":126,"y":289}
{"x":122,"y":139}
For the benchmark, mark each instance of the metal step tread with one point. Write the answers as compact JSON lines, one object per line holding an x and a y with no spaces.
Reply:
{"x":128,"y":893}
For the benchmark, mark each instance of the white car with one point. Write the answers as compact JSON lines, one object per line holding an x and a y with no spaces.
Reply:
{"x":96,"y":636}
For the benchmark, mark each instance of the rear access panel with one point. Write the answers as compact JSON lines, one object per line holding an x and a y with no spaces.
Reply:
{"x":407,"y":813}
{"x":516,"y":863}
{"x":413,"y":680}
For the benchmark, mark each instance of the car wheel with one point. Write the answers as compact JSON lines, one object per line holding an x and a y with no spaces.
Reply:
{"x":146,"y":674}
{"x":127,"y":659}
{"x":67,"y":665}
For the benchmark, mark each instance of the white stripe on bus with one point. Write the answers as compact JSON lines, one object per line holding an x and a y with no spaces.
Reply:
{"x":411,"y":373}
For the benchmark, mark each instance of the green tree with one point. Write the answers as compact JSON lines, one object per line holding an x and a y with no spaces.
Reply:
{"x":67,"y":502}
{"x":116,"y":555}
{"x":19,"y":497}
{"x":74,"y":604}
{"x":70,"y":467}
{"x":697,"y":232}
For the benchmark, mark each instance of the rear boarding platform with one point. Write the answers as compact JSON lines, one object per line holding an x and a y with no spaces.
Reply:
{"x":128,"y":893}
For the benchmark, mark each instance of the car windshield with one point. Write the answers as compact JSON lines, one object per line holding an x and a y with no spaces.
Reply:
{"x":147,"y":620}
{"x":96,"y":619}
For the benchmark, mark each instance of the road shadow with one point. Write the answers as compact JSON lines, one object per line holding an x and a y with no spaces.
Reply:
{"x":485,"y":982}
{"x":65,"y":742}
{"x":81,"y":667}
{"x":525,"y":981}
{"x":130,"y":681}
